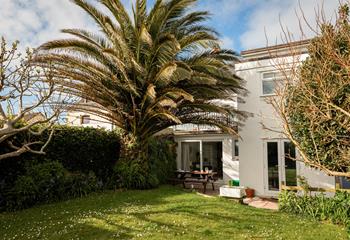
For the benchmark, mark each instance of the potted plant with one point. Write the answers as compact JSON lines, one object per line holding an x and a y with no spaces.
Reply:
{"x":249,"y":192}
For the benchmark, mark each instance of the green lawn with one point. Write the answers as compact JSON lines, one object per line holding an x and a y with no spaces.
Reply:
{"x":164,"y":213}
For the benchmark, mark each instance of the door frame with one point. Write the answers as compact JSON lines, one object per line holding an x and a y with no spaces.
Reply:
{"x":281,"y":165}
{"x":201,"y":141}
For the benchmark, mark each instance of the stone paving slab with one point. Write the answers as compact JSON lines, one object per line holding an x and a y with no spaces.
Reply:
{"x":265,"y":203}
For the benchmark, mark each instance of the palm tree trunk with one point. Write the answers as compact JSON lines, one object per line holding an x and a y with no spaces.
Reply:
{"x":133,"y":165}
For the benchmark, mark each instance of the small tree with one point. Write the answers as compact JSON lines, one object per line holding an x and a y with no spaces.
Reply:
{"x":314,"y":100}
{"x":25,"y":109}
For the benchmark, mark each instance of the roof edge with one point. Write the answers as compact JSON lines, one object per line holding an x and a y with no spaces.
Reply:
{"x":274,"y":48}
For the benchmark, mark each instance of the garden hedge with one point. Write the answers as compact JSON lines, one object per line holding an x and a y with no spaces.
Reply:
{"x":77,"y":161}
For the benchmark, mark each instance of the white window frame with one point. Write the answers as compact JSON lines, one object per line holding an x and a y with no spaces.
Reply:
{"x":269,"y":79}
{"x":281,"y":165}
{"x":83,"y":117}
{"x":200,"y":141}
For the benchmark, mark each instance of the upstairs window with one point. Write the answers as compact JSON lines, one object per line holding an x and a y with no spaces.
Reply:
{"x":85,"y":119}
{"x":269,"y":80}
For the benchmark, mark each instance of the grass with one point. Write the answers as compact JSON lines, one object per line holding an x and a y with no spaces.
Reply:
{"x":164,"y":213}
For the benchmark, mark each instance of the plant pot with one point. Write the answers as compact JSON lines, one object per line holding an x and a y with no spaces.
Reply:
{"x":249,"y":192}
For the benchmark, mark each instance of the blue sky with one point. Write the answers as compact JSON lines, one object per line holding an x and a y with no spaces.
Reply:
{"x":242,"y":24}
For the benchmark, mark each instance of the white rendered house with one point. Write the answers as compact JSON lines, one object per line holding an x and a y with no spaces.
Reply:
{"x":80,"y":118}
{"x":264,"y":163}
{"x":261,"y":162}
{"x":259,"y":159}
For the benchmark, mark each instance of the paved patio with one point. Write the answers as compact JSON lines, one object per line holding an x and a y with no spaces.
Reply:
{"x":266,"y":203}
{"x":257,"y":202}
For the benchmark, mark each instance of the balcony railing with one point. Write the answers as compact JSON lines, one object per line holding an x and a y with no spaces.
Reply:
{"x":189,"y":127}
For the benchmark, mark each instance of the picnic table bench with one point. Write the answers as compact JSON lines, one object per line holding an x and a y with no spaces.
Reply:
{"x":202,"y":177}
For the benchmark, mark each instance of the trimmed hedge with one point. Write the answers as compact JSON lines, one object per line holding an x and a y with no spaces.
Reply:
{"x":85,"y":150}
{"x":79,"y":161}
{"x":78,"y":149}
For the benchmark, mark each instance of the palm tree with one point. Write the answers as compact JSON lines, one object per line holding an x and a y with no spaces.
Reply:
{"x":149,"y":71}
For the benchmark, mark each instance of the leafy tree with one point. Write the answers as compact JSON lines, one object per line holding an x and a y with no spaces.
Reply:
{"x":148,"y":71}
{"x":314,"y":105}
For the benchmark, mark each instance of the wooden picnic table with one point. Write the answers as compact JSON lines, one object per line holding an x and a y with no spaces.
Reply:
{"x":203,"y":177}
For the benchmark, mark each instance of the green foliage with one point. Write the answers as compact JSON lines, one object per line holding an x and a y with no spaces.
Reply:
{"x":320,"y":100}
{"x":80,"y":161}
{"x":320,"y":207}
{"x":77,"y":161}
{"x":162,"y":157}
{"x":85,"y":150}
{"x":47,"y":182}
{"x":136,"y":174}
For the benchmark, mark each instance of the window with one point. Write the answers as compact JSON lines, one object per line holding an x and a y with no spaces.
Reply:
{"x":236,"y":148}
{"x":85,"y":119}
{"x":269,"y":82}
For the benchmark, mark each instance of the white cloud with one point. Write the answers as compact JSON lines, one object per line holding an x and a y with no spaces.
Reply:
{"x":268,"y":15}
{"x":227,"y":42}
{"x":35,"y":21}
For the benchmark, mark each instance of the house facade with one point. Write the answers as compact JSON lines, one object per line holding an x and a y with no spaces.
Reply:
{"x":265,"y":155}
{"x":260,"y":158}
{"x":80,"y":118}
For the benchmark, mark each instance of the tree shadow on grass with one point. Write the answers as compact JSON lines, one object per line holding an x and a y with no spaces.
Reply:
{"x":155,"y":213}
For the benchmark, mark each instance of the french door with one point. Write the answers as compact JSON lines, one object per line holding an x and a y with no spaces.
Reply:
{"x":280,"y":166}
{"x":202,"y":155}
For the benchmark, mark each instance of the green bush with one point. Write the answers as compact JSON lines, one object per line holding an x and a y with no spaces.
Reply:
{"x":80,"y":184}
{"x":41,"y":183}
{"x":145,"y":175}
{"x":319,"y":207}
{"x":79,"y":161}
{"x":85,"y":150}
{"x":162,"y":152}
{"x":136,"y":175}
{"x":48,"y":182}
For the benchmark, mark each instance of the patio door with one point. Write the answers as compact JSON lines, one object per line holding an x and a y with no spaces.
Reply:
{"x":280,"y":168}
{"x":202,"y":155}
{"x":191,"y":155}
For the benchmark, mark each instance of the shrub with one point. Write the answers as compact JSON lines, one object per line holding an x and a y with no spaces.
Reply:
{"x":144,"y":175}
{"x":85,"y":150}
{"x":319,"y":207}
{"x":80,"y":184}
{"x":162,"y":157}
{"x":41,"y":183}
{"x":136,"y":175}
{"x":78,"y":149}
{"x":47,"y":182}
{"x":80,"y":161}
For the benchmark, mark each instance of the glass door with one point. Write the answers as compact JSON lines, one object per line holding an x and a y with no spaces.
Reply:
{"x":212,"y":157}
{"x":289,"y":164}
{"x":280,"y":165}
{"x":190,"y":155}
{"x":273,"y":172}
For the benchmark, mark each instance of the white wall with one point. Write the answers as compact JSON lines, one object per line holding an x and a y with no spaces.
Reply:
{"x":314,"y":177}
{"x":251,"y":151}
{"x":74,"y":119}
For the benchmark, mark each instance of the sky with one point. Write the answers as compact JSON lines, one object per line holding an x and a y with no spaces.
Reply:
{"x":242,"y":24}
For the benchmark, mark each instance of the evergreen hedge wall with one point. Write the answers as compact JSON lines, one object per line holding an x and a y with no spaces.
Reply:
{"x":77,"y":161}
